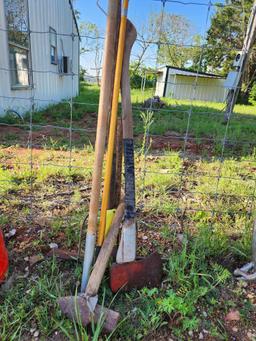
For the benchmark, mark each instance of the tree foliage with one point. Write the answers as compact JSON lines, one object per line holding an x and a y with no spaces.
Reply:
{"x":174,"y":33}
{"x":225,"y":38}
{"x":137,"y":75}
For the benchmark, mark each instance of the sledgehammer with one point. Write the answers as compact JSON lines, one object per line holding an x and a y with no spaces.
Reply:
{"x":84,"y":308}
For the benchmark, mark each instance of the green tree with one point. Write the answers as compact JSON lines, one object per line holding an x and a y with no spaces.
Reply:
{"x":197,"y":55}
{"x":225,"y":37}
{"x":138,"y":74}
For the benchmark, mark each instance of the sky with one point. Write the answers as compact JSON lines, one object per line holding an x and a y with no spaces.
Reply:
{"x":139,"y":11}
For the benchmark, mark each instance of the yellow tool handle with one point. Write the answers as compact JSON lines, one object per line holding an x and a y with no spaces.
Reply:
{"x":113,"y":122}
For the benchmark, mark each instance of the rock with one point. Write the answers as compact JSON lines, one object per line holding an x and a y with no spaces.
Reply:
{"x":233,"y":315}
{"x":36,"y":333}
{"x":53,"y":246}
{"x":190,"y":333}
{"x":11,"y":233}
{"x":250,"y":335}
{"x":201,"y":336}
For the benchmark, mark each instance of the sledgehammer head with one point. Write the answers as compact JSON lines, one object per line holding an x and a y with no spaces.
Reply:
{"x":77,"y":309}
{"x":146,"y":272}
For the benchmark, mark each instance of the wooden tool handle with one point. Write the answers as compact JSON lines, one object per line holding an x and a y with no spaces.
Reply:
{"x":105,"y":253}
{"x":131,"y":35}
{"x":108,"y":71}
{"x":113,"y":122}
{"x":116,"y":177}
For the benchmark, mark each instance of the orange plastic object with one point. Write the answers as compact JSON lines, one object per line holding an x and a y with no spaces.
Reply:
{"x":4,"y":263}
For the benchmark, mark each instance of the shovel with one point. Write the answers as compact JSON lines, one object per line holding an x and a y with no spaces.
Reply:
{"x":104,"y":108}
{"x":113,"y":123}
{"x":129,"y":273}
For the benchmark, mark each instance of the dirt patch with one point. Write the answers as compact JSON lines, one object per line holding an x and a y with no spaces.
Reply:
{"x":83,"y":132}
{"x":177,"y":142}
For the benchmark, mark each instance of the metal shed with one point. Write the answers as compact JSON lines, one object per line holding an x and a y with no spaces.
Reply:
{"x":185,"y":84}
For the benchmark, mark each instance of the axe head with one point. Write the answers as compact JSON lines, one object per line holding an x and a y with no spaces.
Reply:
{"x":145,"y":272}
{"x":76,"y":308}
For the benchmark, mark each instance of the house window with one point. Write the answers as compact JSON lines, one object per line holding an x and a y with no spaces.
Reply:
{"x":19,"y":66}
{"x":19,"y":43}
{"x":53,"y":46}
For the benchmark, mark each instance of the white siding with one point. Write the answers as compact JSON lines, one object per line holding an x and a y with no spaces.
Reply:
{"x":160,"y":82}
{"x":48,"y":85}
{"x":182,"y":86}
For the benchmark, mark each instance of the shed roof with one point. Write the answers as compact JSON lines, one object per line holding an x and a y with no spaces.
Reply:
{"x":190,"y":73}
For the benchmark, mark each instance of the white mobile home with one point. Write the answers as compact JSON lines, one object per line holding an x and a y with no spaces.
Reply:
{"x":39,"y":41}
{"x":180,"y":83}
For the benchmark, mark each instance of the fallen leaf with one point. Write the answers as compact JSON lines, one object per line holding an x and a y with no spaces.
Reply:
{"x":233,"y":315}
{"x":35,"y":259}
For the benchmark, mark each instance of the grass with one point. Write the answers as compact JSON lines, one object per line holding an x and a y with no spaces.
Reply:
{"x":205,"y":121}
{"x":195,"y":208}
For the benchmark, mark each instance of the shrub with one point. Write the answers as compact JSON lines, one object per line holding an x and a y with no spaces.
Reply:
{"x":252,"y":95}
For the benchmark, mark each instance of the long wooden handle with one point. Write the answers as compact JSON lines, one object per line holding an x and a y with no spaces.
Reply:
{"x":131,"y":35}
{"x":116,"y":178}
{"x":104,"y":109}
{"x":105,"y":253}
{"x":113,"y":121}
{"x":108,"y":70}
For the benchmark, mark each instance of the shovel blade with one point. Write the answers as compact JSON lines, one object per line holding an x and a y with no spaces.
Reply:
{"x":146,"y":272}
{"x":76,"y":309}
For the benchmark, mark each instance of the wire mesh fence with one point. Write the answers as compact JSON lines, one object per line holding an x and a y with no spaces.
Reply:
{"x":193,"y":169}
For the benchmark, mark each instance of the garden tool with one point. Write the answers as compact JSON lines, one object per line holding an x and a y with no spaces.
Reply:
{"x":3,"y":259}
{"x":84,"y":308}
{"x":128,"y":272}
{"x":108,"y":70}
{"x":113,"y":123}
